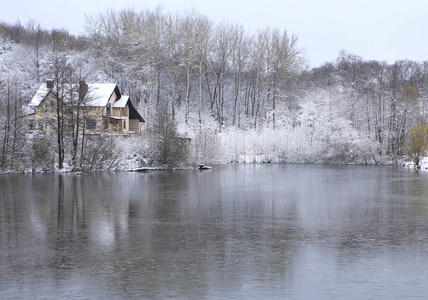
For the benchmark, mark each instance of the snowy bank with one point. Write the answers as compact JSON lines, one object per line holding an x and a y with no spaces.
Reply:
{"x":423,"y":165}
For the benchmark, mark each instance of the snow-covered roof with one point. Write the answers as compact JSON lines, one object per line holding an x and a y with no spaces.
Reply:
{"x":39,"y":96}
{"x":113,"y":117}
{"x":98,"y":94}
{"x":27,"y":110}
{"x":121,"y":103}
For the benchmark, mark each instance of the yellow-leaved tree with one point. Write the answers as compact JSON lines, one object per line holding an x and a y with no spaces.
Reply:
{"x":417,"y":143}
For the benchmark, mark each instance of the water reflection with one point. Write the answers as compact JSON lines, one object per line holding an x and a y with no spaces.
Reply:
{"x":241,"y":231}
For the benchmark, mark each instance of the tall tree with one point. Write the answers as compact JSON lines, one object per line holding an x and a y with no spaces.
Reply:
{"x":11,"y":135}
{"x":417,"y":143}
{"x":62,"y":90}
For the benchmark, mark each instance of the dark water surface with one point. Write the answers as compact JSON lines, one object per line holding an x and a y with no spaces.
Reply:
{"x":234,"y":232}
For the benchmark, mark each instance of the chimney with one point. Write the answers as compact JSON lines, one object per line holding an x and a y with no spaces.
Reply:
{"x":50,"y":84}
{"x":83,"y":90}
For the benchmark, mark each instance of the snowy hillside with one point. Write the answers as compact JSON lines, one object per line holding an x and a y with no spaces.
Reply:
{"x":238,"y":97}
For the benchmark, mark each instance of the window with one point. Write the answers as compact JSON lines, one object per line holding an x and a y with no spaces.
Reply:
{"x":91,"y":124}
{"x":124,"y":124}
{"x":70,"y":124}
{"x":109,"y":109}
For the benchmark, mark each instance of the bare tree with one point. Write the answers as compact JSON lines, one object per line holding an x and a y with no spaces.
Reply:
{"x":240,"y":55}
{"x":101,"y":153}
{"x":167,"y":148}
{"x":11,"y":136}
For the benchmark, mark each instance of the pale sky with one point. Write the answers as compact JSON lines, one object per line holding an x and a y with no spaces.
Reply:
{"x":383,"y":30}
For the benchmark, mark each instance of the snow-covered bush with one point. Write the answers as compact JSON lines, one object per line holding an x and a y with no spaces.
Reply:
{"x":40,"y":152}
{"x":101,"y":153}
{"x":166,"y":147}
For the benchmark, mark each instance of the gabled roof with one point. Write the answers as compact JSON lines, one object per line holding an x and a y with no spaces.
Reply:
{"x":121,"y":103}
{"x":39,"y":96}
{"x":134,"y":114}
{"x":98,"y":94}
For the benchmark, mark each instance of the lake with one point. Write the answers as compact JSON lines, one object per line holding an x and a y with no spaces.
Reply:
{"x":248,"y":231}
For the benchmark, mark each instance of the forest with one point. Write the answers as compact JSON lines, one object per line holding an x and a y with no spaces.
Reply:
{"x":231,"y":96}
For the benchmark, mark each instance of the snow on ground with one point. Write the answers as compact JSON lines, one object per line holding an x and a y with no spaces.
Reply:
{"x":251,"y":158}
{"x":423,"y":164}
{"x":130,"y":154}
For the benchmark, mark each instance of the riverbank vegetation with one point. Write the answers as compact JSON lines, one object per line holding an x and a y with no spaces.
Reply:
{"x":210,"y":93}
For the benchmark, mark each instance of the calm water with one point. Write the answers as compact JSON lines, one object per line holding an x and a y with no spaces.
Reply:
{"x":235,"y":232}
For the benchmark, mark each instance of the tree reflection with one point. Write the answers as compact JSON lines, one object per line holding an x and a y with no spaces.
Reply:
{"x":189,"y":234}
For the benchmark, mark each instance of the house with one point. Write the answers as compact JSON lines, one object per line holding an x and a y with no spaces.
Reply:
{"x":102,"y":108}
